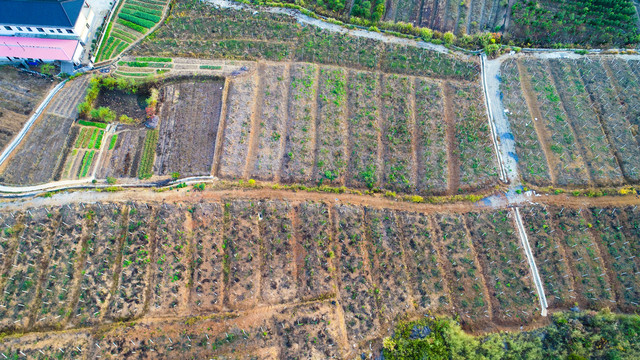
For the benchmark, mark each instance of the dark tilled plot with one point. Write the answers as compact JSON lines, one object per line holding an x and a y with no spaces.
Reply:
{"x":189,"y":117}
{"x":123,"y":160}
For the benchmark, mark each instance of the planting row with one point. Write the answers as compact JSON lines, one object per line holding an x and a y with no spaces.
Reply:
{"x":197,"y":29}
{"x":356,"y":128}
{"x":574,"y":121}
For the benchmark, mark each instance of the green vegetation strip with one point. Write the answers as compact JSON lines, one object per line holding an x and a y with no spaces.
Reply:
{"x":156,"y":59}
{"x":133,"y":74}
{"x":80,"y":138}
{"x":136,"y":20}
{"x":211,"y":67}
{"x":92,"y":123}
{"x":98,"y":142}
{"x":92,"y":142}
{"x":130,"y":7}
{"x":575,"y":336}
{"x":145,"y":168}
{"x":114,"y":138}
{"x":86,"y":163}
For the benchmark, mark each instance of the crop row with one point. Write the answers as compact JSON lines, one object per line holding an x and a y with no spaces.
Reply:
{"x":581,"y":122}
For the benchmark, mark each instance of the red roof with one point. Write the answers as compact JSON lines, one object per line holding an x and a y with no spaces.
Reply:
{"x":37,"y":48}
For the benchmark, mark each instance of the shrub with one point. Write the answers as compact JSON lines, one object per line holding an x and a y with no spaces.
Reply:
{"x":175,"y":175}
{"x":448,"y":38}
{"x":111,"y":180}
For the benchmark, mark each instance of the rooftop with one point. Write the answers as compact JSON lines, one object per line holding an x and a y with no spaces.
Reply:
{"x":44,"y":13}
{"x":37,"y":48}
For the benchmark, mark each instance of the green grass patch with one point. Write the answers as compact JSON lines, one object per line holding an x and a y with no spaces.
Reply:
{"x":92,"y":123}
{"x":133,"y":63}
{"x":86,"y":163}
{"x":211,"y":67}
{"x":145,"y":9}
{"x":133,"y":74}
{"x":136,"y":20}
{"x":155,"y":59}
{"x":98,"y":142}
{"x":131,"y":25}
{"x":145,"y":5}
{"x":140,"y":15}
{"x":113,"y":141}
{"x":145,"y":168}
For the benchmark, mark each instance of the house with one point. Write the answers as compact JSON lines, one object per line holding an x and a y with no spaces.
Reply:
{"x":45,"y":30}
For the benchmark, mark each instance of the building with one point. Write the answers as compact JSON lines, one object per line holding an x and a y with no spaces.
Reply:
{"x":45,"y":30}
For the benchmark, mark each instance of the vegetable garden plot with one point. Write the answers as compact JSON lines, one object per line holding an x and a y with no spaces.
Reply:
{"x":614,"y":116}
{"x":237,"y":132}
{"x":397,"y":133}
{"x":426,"y":274}
{"x":208,"y":255}
{"x":505,"y":266}
{"x":170,"y":275}
{"x":61,"y":346}
{"x":106,"y":229}
{"x":242,"y":254}
{"x":190,"y":115}
{"x":596,"y":149}
{"x":27,"y":267}
{"x":272,"y":116}
{"x":308,"y":332}
{"x":567,"y":163}
{"x":357,"y":290}
{"x":331,"y":146}
{"x":278,"y":272}
{"x":364,"y":168}
{"x":591,"y":282}
{"x":131,"y":294}
{"x":465,"y":281}
{"x":613,"y":230}
{"x":123,"y":159}
{"x":531,"y":156}
{"x":386,"y":256}
{"x":431,"y":135}
{"x":550,"y":258}
{"x":301,"y":126}
{"x":474,"y":145}
{"x":59,"y":289}
{"x":314,"y":260}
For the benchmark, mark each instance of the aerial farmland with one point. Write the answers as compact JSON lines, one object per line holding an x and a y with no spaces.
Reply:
{"x":244,"y":180}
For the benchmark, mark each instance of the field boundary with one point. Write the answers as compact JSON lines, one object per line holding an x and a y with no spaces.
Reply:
{"x":524,"y":240}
